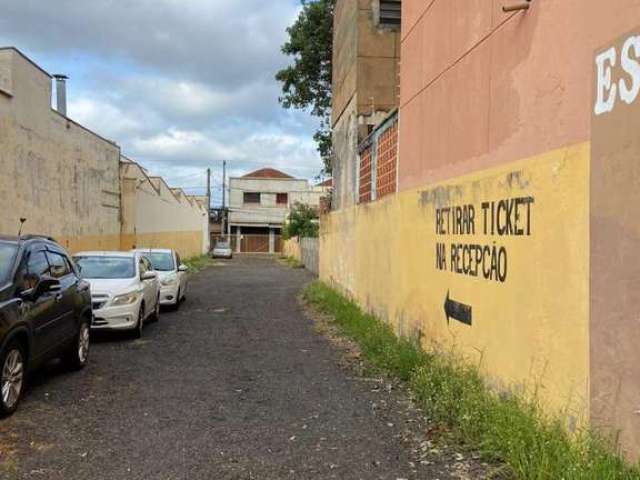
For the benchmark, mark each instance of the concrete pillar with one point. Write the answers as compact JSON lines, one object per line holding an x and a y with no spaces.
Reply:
{"x":238,"y":239}
{"x":272,"y":241}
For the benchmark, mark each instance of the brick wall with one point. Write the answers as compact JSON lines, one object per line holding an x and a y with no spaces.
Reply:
{"x":365,"y":174}
{"x":387,"y":161}
{"x":379,"y":161}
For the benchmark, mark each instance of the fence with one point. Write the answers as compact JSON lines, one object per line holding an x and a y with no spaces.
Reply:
{"x":305,"y":250}
{"x":256,"y":243}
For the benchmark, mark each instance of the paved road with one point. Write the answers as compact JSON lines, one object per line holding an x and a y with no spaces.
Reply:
{"x":235,"y":385}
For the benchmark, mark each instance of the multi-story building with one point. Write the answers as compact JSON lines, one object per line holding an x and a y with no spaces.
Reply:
{"x":259,"y":204}
{"x":365,"y":83}
{"x":496,"y":217}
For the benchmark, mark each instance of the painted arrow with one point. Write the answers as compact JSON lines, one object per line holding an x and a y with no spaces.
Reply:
{"x":458,"y":311}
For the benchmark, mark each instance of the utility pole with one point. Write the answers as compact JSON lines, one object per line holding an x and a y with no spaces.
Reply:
{"x":209,"y":205}
{"x":224,"y":191}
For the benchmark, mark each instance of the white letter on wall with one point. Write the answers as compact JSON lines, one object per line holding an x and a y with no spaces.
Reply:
{"x":632,"y":67}
{"x":603,"y":80}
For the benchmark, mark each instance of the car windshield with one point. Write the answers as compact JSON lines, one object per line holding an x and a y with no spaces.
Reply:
{"x":222,"y":245}
{"x":161,"y":261}
{"x":7,"y":258}
{"x":106,"y":267}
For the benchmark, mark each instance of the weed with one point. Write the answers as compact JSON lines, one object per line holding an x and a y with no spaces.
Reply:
{"x":504,"y":428}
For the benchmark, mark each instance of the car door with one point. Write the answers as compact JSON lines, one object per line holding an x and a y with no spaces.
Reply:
{"x":41,"y":312}
{"x":60,"y":269}
{"x":183,"y":278}
{"x":149,"y":288}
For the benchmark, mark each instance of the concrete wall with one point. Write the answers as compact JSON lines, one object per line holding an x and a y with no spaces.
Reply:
{"x":154,"y":215}
{"x":59,"y":176}
{"x":305,"y":250}
{"x":503,"y":149}
{"x":365,"y":86}
{"x":291,"y":248}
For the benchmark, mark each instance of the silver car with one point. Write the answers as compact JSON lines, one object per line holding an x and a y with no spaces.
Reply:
{"x":222,"y":250}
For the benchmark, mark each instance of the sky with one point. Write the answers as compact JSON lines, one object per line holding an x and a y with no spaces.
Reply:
{"x":180,"y":85}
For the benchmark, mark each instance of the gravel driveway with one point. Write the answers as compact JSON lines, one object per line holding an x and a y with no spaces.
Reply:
{"x":235,"y":385}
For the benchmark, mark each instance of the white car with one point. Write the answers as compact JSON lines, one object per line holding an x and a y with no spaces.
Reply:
{"x":222,"y":250}
{"x":125,"y":291}
{"x":173,"y":275}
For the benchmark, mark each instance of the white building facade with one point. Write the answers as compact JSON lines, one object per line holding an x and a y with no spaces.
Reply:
{"x":259,"y":205}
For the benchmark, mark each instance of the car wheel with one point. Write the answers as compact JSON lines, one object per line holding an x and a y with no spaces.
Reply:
{"x":156,"y":311}
{"x":12,"y":377}
{"x":77,"y":355}
{"x":137,"y":330}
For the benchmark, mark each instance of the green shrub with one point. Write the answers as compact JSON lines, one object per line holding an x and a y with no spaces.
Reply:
{"x":505,"y":428}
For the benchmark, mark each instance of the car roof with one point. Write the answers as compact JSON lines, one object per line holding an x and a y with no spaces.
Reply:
{"x":25,"y":238}
{"x":105,"y":254}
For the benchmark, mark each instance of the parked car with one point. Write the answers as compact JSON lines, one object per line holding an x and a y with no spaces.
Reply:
{"x":45,"y":312}
{"x":172,"y":273}
{"x":125,"y":290}
{"x":222,"y":250}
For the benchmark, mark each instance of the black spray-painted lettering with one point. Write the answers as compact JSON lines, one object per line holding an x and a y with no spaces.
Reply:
{"x":506,"y":217}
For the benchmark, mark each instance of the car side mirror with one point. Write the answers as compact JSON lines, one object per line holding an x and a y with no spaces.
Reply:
{"x":183,"y":268}
{"x":148,"y":276}
{"x":45,"y":285}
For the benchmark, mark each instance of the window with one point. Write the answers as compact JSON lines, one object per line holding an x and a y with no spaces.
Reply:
{"x":106,"y":267}
{"x":37,"y":266}
{"x":7,"y":259}
{"x":59,"y":265}
{"x":251,"y":197}
{"x":282,"y":199}
{"x":390,"y":12}
{"x":145,"y":266}
{"x":161,"y":261}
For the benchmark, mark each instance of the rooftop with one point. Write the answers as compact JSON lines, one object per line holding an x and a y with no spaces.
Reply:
{"x":267,"y":173}
{"x":327,"y":183}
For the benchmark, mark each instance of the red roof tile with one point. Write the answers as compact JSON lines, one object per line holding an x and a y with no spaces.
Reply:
{"x":267,"y":173}
{"x":327,"y":183}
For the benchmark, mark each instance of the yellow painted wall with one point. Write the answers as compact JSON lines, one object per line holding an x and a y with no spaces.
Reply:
{"x":87,"y":242}
{"x":187,"y":244}
{"x":532,"y":330}
{"x":291,"y":248}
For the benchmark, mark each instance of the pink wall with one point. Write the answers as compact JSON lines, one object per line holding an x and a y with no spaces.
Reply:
{"x":480,"y":87}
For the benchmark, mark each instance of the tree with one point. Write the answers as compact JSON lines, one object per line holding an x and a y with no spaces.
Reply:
{"x":307,"y":83}
{"x":303,"y":222}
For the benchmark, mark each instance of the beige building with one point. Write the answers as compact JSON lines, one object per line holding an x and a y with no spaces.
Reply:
{"x":61,"y":177}
{"x":69,"y":182}
{"x":155,"y":215}
{"x":259,"y":204}
{"x":365,"y":82}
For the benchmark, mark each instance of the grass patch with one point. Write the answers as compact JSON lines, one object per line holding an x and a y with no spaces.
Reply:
{"x":504,"y":429}
{"x":291,"y":262}
{"x":199,"y":262}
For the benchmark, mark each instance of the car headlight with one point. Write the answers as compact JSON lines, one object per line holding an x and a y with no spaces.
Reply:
{"x":170,"y":280}
{"x":125,"y":299}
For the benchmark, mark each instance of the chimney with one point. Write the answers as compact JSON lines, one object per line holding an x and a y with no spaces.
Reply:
{"x":61,"y":93}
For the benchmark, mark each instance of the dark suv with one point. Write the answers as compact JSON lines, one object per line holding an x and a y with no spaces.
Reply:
{"x":45,"y":312}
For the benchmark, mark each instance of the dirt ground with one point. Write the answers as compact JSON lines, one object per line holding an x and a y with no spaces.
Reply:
{"x":237,"y":384}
